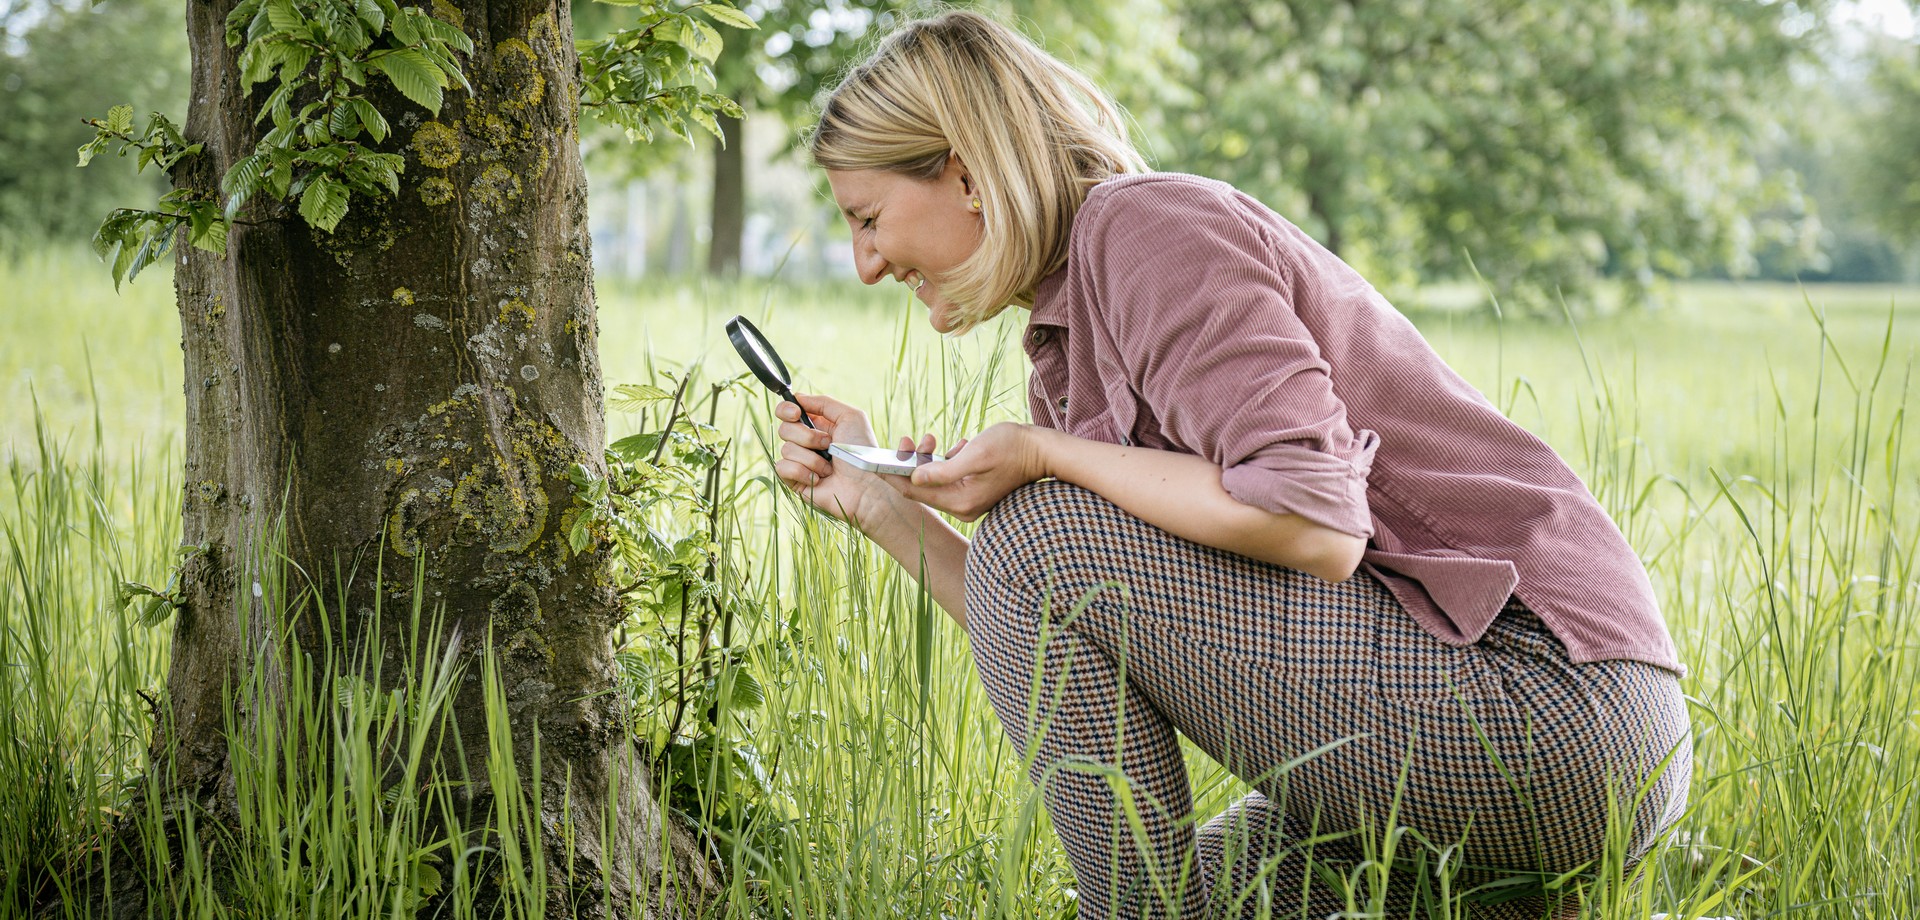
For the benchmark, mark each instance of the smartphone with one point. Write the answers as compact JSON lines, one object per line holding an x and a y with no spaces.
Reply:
{"x":882,"y":459}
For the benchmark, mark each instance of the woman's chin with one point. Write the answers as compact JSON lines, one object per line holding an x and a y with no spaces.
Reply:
{"x":940,"y":317}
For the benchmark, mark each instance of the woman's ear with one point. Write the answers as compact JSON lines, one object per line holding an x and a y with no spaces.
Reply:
{"x":957,"y":169}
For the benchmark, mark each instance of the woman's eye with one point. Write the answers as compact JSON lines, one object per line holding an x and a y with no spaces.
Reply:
{"x":866,"y":224}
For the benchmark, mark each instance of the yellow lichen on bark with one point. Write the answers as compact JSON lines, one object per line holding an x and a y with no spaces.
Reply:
{"x":436,"y":144}
{"x":518,"y":68}
{"x":436,"y":191}
{"x":516,"y":310}
{"x":448,"y":13}
{"x":496,"y":185}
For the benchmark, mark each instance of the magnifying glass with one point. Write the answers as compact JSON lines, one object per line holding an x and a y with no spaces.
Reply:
{"x":765,"y":364}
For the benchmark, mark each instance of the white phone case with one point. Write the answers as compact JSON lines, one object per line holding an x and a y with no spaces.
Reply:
{"x":881,"y":459}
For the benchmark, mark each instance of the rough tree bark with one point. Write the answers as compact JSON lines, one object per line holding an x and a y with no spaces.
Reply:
{"x":418,"y":381}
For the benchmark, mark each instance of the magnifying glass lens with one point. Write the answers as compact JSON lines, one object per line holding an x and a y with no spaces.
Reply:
{"x":765,"y":363}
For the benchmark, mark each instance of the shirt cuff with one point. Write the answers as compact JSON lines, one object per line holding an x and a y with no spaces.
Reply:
{"x":1323,"y":488}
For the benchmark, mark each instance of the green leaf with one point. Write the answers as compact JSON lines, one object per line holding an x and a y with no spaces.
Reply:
{"x":344,"y":120}
{"x":120,"y":119}
{"x":324,"y":202}
{"x":635,"y":446}
{"x":706,"y":120}
{"x":237,"y":20}
{"x":727,"y":15}
{"x":630,"y":396}
{"x":280,"y":163}
{"x":706,"y":42}
{"x":212,"y":237}
{"x":155,"y":611}
{"x":329,"y":155}
{"x":88,"y":149}
{"x":244,"y":178}
{"x":370,"y":118}
{"x":443,"y":33}
{"x":747,"y":692}
{"x":371,"y":14}
{"x":283,"y":17}
{"x":294,"y":60}
{"x":415,"y":76}
{"x":402,"y":22}
{"x":426,"y":879}
{"x":721,"y":105}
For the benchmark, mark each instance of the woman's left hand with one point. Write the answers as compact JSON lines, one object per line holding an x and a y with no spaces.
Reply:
{"x":997,"y":461}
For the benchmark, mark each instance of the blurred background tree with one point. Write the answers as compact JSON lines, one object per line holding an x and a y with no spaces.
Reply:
{"x":1546,"y":142}
{"x":61,"y":60}
{"x":800,"y":48}
{"x":1887,"y":179}
{"x":1554,"y":144}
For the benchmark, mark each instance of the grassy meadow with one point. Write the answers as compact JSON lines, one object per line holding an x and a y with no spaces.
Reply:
{"x":1750,"y":440}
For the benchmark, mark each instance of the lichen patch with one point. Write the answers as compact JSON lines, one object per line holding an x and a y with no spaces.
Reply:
{"x":437,"y":145}
{"x":518,"y":69}
{"x":495,"y":186}
{"x":436,"y":191}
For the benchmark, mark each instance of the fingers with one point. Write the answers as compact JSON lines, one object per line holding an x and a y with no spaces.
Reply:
{"x":928,"y":444}
{"x":946,"y":471}
{"x":826,"y":407}
{"x":804,"y":459}
{"x":795,"y":474}
{"x":809,"y":438}
{"x":787,"y":411}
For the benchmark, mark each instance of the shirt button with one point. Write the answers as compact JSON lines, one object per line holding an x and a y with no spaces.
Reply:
{"x":1039,"y":336}
{"x":1126,"y":441}
{"x":1062,"y":403}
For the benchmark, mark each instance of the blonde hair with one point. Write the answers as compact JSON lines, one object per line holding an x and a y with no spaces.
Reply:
{"x":1035,"y":136}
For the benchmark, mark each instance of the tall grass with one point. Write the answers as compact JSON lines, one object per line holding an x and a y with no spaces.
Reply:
{"x":1758,"y":462}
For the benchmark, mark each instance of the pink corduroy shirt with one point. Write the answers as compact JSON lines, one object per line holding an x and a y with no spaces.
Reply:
{"x":1190,"y":317}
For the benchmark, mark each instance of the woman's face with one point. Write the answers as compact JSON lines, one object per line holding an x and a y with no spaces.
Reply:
{"x":909,"y":229}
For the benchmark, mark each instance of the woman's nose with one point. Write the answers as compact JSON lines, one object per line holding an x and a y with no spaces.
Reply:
{"x":868,"y":262}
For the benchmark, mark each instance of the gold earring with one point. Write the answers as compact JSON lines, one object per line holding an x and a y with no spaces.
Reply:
{"x":975,"y":203}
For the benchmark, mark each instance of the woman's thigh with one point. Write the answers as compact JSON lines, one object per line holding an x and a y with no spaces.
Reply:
{"x":1327,"y":697}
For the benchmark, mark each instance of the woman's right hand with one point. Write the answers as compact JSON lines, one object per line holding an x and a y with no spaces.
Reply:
{"x":837,"y":489}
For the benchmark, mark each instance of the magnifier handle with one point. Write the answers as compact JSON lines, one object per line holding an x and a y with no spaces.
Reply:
{"x":804,"y":420}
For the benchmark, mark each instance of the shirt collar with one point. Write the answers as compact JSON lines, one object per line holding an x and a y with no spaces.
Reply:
{"x":1049,"y":308}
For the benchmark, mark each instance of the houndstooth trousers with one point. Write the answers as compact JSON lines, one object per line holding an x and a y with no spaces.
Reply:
{"x":1099,"y":636}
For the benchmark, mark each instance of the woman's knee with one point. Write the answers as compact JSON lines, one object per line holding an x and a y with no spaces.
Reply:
{"x":1025,"y":527}
{"x":1018,"y":544}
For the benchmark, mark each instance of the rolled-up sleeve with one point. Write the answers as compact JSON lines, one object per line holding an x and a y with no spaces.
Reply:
{"x":1199,"y":314}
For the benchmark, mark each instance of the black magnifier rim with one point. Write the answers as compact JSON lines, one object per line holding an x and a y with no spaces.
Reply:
{"x":738,"y":328}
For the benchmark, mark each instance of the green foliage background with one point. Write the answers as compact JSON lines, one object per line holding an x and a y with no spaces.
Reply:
{"x":64,"y":61}
{"x":1541,"y":145}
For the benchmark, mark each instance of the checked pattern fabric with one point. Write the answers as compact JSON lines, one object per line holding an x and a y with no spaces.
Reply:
{"x":1099,"y":637}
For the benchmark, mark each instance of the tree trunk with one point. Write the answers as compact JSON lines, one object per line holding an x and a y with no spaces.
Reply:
{"x":729,"y":168}
{"x":729,"y":201}
{"x":412,"y":390}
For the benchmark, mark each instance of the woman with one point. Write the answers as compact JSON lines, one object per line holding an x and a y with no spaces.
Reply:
{"x":1253,"y":507}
